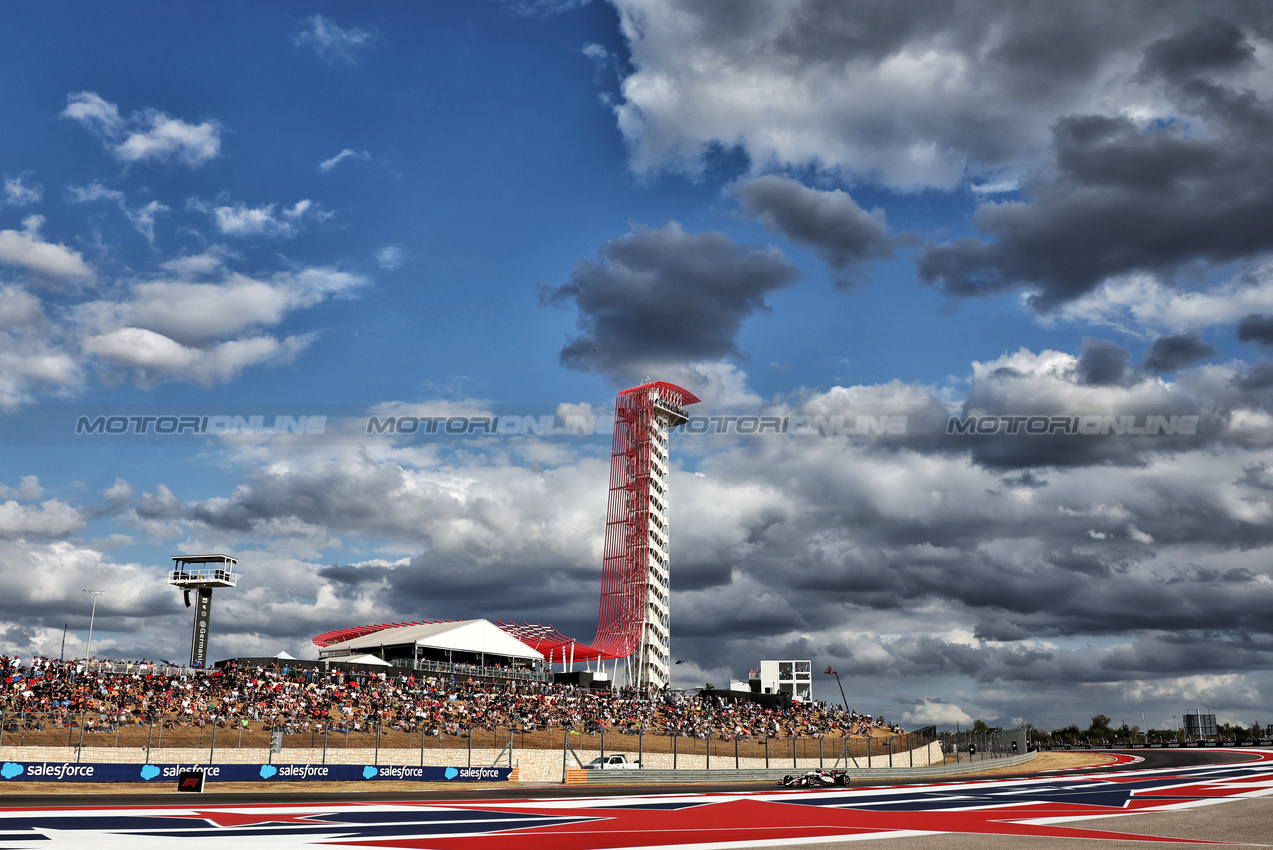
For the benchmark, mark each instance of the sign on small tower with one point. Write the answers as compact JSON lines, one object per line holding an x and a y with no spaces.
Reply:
{"x":202,"y":573}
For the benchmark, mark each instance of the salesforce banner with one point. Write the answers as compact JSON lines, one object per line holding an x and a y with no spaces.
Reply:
{"x":56,"y":771}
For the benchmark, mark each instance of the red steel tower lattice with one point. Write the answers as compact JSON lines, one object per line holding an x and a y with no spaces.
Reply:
{"x":634,"y":620}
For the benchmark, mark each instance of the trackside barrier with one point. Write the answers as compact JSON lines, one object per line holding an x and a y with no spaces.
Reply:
{"x":43,"y":771}
{"x":655,"y":777}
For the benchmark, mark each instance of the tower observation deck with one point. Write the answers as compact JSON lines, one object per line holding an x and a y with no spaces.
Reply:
{"x":635,"y":617}
{"x":202,"y":573}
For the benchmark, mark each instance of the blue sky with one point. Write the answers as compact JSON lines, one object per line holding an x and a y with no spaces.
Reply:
{"x":516,"y":208}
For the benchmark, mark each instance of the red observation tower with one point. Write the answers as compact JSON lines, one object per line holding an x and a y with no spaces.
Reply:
{"x":635,"y":616}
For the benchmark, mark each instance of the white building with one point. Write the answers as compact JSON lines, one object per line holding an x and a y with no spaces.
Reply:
{"x":787,"y":677}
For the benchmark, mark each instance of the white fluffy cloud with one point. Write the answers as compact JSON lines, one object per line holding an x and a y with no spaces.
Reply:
{"x":32,"y":353}
{"x":1144,"y":304}
{"x":145,"y":135}
{"x":331,"y":41}
{"x":206,"y":332}
{"x":142,"y":218}
{"x":391,"y":257}
{"x":151,"y":357}
{"x":18,"y":193}
{"x":25,"y":249}
{"x":241,"y":221}
{"x":328,"y":164}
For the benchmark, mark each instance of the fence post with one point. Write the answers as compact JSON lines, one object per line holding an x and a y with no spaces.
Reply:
{"x":793,"y":752}
{"x":766,"y":751}
{"x":735,"y":751}
{"x":377,"y":761}
{"x":80,"y":749}
{"x":675,"y":738}
{"x":149,"y":735}
{"x":212,"y":747}
{"x":565,"y":736}
{"x":890,"y":750}
{"x":325,"y":725}
{"x":709,"y":750}
{"x":820,"y":754}
{"x":603,"y":746}
{"x":469,"y":763}
{"x":641,"y":747}
{"x":2,"y":716}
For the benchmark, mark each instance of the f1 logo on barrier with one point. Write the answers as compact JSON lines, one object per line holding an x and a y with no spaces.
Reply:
{"x":190,"y":780}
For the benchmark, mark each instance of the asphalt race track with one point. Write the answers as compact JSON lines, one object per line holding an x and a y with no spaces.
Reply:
{"x":1185,"y":798}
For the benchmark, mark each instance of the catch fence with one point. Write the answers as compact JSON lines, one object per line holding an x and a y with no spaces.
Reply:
{"x":989,"y":744}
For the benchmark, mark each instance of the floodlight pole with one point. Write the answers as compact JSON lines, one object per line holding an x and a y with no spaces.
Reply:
{"x":831,"y":672}
{"x":88,"y":648}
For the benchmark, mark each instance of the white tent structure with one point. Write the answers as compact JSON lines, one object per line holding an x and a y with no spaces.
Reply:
{"x":369,"y":660}
{"x":468,"y":641}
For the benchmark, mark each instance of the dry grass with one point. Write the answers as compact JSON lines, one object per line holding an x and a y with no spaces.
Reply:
{"x":1049,"y":761}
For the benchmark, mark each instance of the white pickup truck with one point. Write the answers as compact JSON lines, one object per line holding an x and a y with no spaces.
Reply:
{"x":612,"y":763}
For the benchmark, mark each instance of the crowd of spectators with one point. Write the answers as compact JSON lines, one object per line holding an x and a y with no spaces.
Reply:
{"x":106,"y":695}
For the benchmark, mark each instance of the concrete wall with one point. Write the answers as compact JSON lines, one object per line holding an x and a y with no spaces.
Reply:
{"x":535,"y":765}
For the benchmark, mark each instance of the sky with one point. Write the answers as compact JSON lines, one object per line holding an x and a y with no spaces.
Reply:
{"x":977,"y":297}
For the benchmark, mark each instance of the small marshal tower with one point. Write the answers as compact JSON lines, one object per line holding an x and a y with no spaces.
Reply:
{"x":202,"y":573}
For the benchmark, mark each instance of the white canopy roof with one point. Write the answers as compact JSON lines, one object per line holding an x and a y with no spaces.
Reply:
{"x":365,"y":659}
{"x":463,"y":636}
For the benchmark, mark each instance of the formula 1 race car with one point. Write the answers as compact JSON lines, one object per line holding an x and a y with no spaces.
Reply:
{"x":815,"y":779}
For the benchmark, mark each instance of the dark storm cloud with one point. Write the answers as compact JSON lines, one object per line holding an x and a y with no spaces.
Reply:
{"x":1103,"y":363}
{"x":1256,"y":475}
{"x":333,"y":497}
{"x":1212,"y":46}
{"x":908,"y":93}
{"x":1127,"y":195}
{"x":661,"y":296}
{"x":1172,"y":353}
{"x":1181,"y":653}
{"x":1255,"y":327}
{"x":1027,"y":480}
{"x":843,"y":234}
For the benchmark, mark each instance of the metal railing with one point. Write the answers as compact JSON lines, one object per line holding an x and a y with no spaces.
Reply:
{"x":989,"y":744}
{"x":514,"y":674}
{"x":171,"y":730}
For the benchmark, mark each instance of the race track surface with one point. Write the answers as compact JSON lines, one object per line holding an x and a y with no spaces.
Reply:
{"x":1181,"y":798}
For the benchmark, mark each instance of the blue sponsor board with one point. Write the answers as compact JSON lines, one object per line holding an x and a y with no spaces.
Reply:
{"x":56,"y":771}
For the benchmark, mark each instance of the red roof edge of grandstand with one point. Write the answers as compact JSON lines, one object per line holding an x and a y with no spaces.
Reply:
{"x":342,"y":635}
